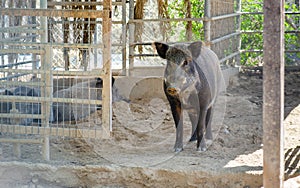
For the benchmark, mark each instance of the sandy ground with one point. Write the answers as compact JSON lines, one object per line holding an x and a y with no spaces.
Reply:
{"x":140,"y":152}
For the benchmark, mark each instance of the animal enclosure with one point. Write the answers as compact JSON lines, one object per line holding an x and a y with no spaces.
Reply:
{"x":43,"y":91}
{"x":81,"y":84}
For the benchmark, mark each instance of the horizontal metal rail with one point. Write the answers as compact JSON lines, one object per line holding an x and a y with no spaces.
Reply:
{"x":13,"y":76}
{"x":260,"y":51}
{"x":225,"y":37}
{"x":164,"y":20}
{"x":54,"y":12}
{"x":92,"y":73}
{"x":19,"y":38}
{"x":221,"y":17}
{"x":22,"y":116}
{"x":21,"y":141}
{"x":289,"y":13}
{"x":16,"y":83}
{"x":80,"y":3}
{"x":54,"y":131}
{"x":82,"y":21}
{"x":260,"y":32}
{"x":21,"y":51}
{"x":20,"y":30}
{"x":229,"y":57}
{"x":16,"y":64}
{"x":53,"y":45}
{"x":9,"y":98}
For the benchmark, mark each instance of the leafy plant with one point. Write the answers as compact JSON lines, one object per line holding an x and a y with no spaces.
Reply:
{"x":251,"y":24}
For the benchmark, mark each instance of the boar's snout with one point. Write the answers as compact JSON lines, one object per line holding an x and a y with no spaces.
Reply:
{"x":172,"y":90}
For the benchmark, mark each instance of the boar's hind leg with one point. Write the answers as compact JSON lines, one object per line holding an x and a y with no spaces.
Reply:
{"x":201,"y":144}
{"x":208,"y":133}
{"x":194,"y":120}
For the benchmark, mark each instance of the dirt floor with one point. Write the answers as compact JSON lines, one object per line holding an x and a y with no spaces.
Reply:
{"x":140,"y":152}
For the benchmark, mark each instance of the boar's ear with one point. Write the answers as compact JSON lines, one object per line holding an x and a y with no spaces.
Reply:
{"x":195,"y":48}
{"x":161,"y":49}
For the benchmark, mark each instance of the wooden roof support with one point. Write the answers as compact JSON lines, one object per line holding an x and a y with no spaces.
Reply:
{"x":273,"y":87}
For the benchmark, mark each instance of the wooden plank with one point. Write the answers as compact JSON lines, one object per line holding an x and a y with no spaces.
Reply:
{"x":22,"y":141}
{"x":21,"y":51}
{"x":53,"y":131}
{"x":273,"y":87}
{"x":107,"y":92}
{"x":52,"y":13}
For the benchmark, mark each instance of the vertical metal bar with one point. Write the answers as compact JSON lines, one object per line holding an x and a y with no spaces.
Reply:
{"x":33,"y":20}
{"x":124,"y":37}
{"x":273,"y":87}
{"x":131,"y":36}
{"x":207,"y":22}
{"x":106,"y":92}
{"x":45,"y":64}
{"x":95,"y":42}
{"x":239,"y":8}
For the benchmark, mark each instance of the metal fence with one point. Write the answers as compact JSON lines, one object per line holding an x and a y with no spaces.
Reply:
{"x":44,"y":92}
{"x":220,"y":31}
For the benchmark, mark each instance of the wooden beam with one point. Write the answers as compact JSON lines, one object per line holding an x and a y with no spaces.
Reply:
{"x":107,"y":92}
{"x":52,"y":13}
{"x":273,"y":88}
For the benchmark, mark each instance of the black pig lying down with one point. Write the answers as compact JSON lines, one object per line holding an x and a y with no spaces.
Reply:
{"x":22,"y":107}
{"x":192,"y":80}
{"x":72,"y":112}
{"x":85,"y":90}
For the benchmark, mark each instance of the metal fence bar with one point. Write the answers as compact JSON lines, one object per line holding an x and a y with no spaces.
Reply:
{"x":229,"y":57}
{"x":124,"y":37}
{"x":21,"y":141}
{"x":18,"y":38}
{"x":13,"y":76}
{"x":131,"y":29}
{"x":33,"y":116}
{"x":52,"y":131}
{"x":16,"y":64}
{"x":225,"y":37}
{"x":53,"y":45}
{"x":66,"y":3}
{"x":21,"y":51}
{"x":8,"y":98}
{"x":92,"y":73}
{"x":16,"y":83}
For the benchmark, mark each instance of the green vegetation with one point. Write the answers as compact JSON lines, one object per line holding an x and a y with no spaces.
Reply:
{"x":251,"y":24}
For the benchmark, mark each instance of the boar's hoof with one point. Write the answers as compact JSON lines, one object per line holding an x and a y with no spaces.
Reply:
{"x":193,"y":138}
{"x":201,"y":149}
{"x":177,"y":150}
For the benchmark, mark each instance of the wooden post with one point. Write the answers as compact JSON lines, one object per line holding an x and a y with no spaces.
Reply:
{"x":131,"y":36}
{"x":106,"y":92}
{"x":207,"y":22}
{"x":47,"y":78}
{"x":273,"y":74}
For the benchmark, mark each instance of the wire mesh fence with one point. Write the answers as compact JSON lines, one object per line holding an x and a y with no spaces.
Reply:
{"x":49,"y":86}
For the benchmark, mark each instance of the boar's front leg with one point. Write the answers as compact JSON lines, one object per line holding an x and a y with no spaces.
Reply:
{"x":178,"y":119}
{"x":177,"y":115}
{"x":201,"y":144}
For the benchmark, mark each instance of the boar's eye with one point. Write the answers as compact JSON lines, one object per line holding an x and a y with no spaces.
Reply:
{"x":185,"y":63}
